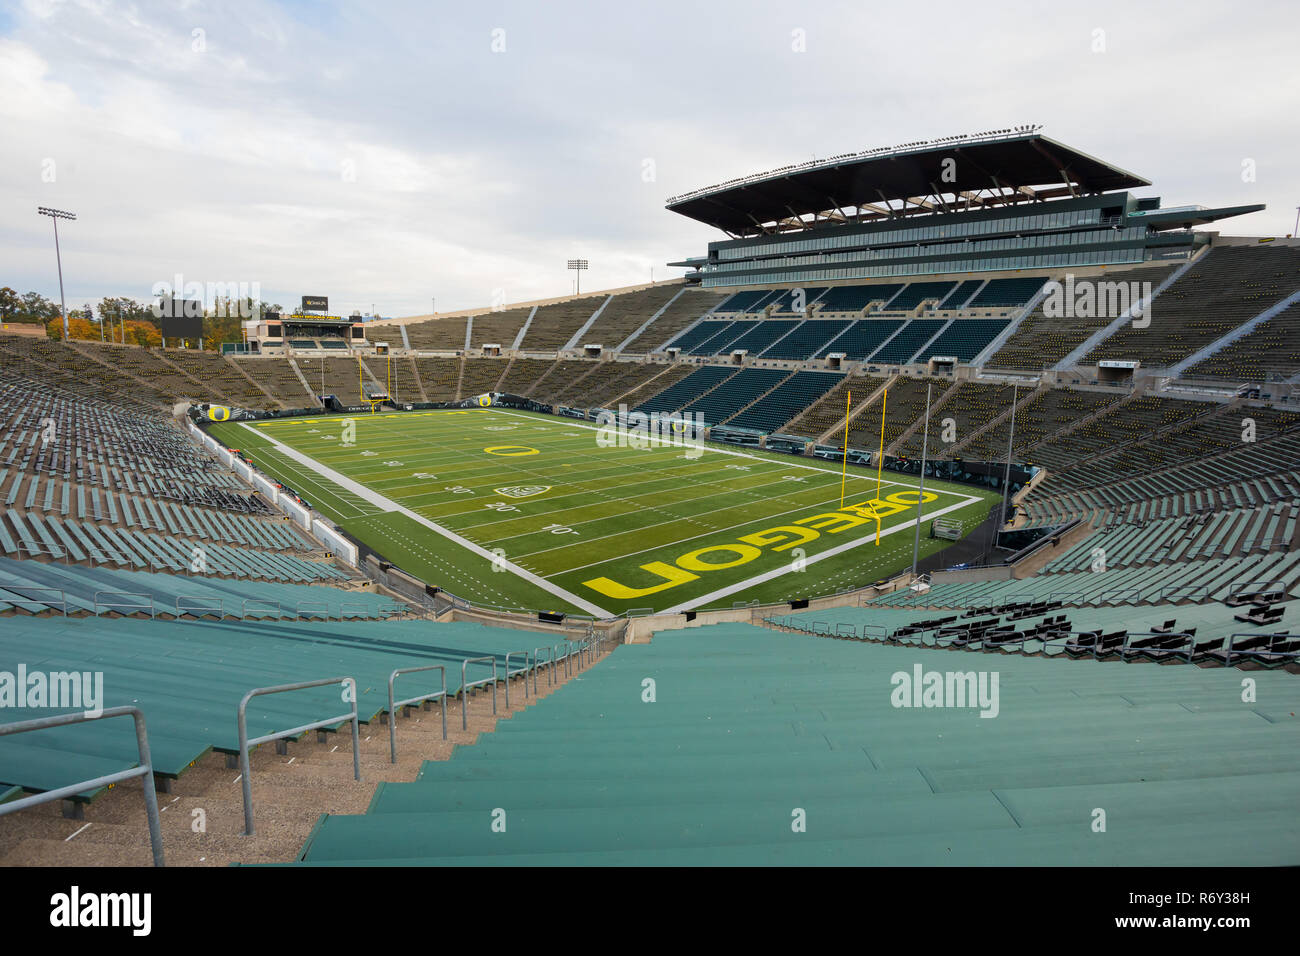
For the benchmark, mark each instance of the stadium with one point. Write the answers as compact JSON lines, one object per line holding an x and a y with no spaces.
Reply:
{"x":694,"y":572}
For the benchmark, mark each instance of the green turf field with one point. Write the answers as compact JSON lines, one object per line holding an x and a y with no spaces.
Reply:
{"x":515,"y":509}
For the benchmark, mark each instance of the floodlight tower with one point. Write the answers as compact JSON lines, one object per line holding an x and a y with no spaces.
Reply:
{"x":577,"y":265}
{"x":55,"y":215}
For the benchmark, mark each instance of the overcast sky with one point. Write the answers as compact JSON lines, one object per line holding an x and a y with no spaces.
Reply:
{"x":388,"y":152}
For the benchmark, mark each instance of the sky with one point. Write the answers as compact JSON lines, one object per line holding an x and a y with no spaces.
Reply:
{"x":387,"y":154}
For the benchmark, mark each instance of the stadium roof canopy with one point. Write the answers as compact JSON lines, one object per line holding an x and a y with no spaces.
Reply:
{"x":952,"y":174}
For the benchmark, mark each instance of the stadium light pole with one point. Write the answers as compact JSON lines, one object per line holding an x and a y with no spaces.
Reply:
{"x":577,"y":265}
{"x":55,"y":215}
{"x":920,"y":495}
{"x":1295,"y":232}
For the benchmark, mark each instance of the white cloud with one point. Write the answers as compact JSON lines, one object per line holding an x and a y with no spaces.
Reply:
{"x":382,"y":153}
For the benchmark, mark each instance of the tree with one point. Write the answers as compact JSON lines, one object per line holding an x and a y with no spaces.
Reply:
{"x":9,"y":304}
{"x":81,"y":329}
{"x":36,"y":308}
{"x":143,"y":333}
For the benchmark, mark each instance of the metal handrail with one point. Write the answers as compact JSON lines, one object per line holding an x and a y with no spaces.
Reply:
{"x":1063,"y":596}
{"x":465,"y":688}
{"x":536,"y":664}
{"x":298,"y":609}
{"x":148,"y":602}
{"x":243,"y":610}
{"x":1063,"y":637}
{"x":143,"y":770}
{"x":245,"y":769}
{"x":419,"y":699}
{"x":1228,"y":651}
{"x":509,"y":673}
{"x":1270,"y":588}
{"x":956,"y":634}
{"x":41,"y":549}
{"x":1188,"y":644}
{"x":63,"y":597}
{"x":196,"y":604}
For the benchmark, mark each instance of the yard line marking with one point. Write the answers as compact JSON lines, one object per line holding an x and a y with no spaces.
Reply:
{"x":78,"y":831}
{"x":387,"y":504}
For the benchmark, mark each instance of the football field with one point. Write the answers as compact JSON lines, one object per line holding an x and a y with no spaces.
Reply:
{"x":523,"y":510}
